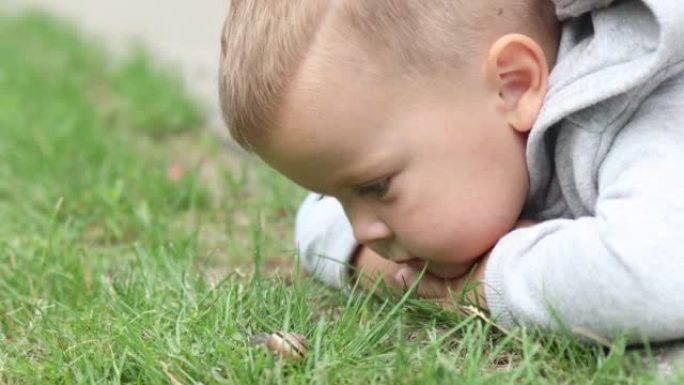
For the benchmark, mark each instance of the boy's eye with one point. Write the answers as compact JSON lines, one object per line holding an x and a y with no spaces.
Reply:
{"x":377,"y":189}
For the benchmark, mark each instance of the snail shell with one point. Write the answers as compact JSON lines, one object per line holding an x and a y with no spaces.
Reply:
{"x":291,"y":346}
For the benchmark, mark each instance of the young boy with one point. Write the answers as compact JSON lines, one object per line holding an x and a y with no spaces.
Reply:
{"x":431,"y":128}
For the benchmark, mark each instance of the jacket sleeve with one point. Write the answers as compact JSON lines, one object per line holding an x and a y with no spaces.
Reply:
{"x":324,"y":239}
{"x":621,"y":271}
{"x":566,"y":9}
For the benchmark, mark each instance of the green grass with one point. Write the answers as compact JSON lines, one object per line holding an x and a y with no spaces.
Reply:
{"x":113,"y":272}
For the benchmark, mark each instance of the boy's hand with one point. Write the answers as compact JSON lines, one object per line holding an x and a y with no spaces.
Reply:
{"x":398,"y":277}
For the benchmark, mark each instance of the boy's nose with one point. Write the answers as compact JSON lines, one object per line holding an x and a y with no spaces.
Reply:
{"x":368,"y":228}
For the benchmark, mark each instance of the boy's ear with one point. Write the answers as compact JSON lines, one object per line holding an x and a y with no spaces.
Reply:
{"x":517,"y":71}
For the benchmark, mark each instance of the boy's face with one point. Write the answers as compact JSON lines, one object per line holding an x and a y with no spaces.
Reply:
{"x":424,"y":171}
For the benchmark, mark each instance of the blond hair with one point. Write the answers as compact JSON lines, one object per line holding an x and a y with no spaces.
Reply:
{"x":265,"y":41}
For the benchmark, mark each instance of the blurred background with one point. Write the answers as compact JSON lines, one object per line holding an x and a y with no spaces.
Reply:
{"x":182,"y":35}
{"x":127,"y":227}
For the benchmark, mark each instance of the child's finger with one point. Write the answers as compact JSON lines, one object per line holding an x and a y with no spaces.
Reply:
{"x":428,"y":287}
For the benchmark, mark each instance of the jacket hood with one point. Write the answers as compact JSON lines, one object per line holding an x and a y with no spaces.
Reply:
{"x":613,"y":51}
{"x":566,"y":9}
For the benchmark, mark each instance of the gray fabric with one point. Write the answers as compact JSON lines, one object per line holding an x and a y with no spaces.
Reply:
{"x":566,"y":9}
{"x":605,"y":160}
{"x":606,"y":163}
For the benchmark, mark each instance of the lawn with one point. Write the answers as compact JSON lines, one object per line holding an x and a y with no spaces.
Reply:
{"x":135,"y":249}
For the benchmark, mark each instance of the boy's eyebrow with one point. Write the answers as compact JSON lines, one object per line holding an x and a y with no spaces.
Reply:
{"x":355,"y":176}
{"x":359,"y":170}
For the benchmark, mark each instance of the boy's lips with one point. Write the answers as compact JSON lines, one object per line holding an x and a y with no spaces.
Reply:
{"x":440,"y":270}
{"x":444,"y":271}
{"x":417,"y":263}
{"x":391,"y":252}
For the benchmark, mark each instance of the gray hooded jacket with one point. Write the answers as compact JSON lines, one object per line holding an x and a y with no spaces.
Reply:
{"x":606,"y":166}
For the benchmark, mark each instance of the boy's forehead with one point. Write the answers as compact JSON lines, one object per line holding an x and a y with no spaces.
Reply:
{"x":323,"y":160}
{"x":335,"y":91}
{"x":336,"y":66}
{"x":332,"y":60}
{"x":337,"y":118}
{"x":327,"y":123}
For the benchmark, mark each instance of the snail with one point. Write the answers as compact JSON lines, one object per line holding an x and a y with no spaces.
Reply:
{"x":291,"y":346}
